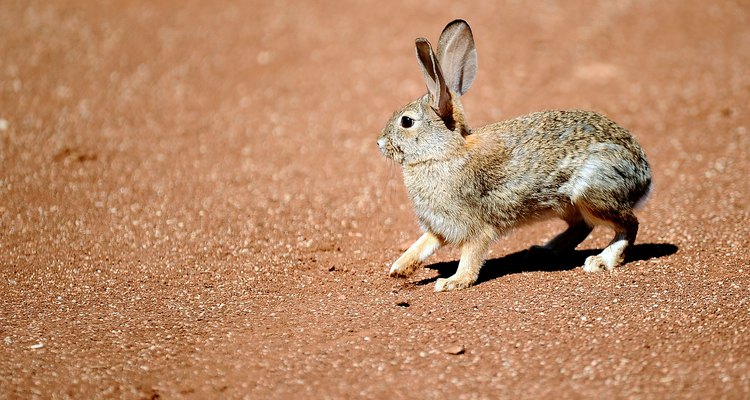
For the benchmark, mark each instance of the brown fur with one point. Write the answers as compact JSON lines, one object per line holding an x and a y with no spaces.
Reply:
{"x":468,"y":187}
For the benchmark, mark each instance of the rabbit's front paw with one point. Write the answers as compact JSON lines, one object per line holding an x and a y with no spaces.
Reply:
{"x":452,"y":283}
{"x":403,"y":268}
{"x":595,"y":264}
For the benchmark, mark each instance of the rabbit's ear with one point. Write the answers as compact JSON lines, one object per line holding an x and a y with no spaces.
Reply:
{"x":458,"y":56}
{"x":433,"y":77}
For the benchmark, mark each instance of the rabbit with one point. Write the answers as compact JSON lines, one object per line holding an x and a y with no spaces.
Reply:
{"x":468,"y":187}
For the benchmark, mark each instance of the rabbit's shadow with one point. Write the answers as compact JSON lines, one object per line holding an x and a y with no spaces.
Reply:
{"x":536,"y":259}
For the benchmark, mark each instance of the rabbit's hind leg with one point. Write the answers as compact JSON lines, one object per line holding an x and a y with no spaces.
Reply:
{"x":625,"y":225}
{"x":568,"y":240}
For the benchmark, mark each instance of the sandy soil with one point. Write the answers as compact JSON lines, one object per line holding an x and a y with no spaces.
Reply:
{"x":192,"y":204}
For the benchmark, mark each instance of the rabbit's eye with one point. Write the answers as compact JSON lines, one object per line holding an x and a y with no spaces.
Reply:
{"x":407,"y":122}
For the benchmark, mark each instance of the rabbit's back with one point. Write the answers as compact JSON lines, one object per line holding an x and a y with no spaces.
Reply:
{"x":542,"y":162}
{"x":560,"y":132}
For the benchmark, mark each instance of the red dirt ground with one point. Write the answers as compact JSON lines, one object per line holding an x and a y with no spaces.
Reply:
{"x":192,"y":204}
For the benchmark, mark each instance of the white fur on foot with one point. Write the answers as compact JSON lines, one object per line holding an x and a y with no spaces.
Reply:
{"x":612,"y":256}
{"x":594,"y":264}
{"x":452,"y":283}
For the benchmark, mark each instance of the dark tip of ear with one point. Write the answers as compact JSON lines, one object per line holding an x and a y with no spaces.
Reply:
{"x":458,"y":22}
{"x":450,"y":123}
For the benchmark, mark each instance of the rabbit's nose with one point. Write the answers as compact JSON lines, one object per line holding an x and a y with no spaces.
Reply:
{"x":381,"y":143}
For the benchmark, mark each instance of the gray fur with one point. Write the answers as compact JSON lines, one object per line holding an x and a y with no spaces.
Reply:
{"x":468,"y":187}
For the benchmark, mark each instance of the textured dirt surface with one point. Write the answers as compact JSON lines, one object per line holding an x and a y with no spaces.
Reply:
{"x":192,"y":204}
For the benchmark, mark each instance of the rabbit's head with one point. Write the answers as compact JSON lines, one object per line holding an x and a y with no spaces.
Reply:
{"x":433,"y":127}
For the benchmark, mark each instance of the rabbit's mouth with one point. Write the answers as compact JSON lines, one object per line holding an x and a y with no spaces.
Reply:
{"x":390,"y":151}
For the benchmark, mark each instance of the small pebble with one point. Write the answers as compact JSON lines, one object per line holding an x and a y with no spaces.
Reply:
{"x":456,"y":350}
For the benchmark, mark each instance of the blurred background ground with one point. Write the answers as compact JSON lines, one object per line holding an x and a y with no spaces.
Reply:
{"x":192,"y":203}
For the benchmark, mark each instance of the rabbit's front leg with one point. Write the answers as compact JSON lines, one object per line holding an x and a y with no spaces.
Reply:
{"x":473,"y":255}
{"x":427,"y":244}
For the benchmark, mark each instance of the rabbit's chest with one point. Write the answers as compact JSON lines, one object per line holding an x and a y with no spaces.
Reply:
{"x":440,"y":205}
